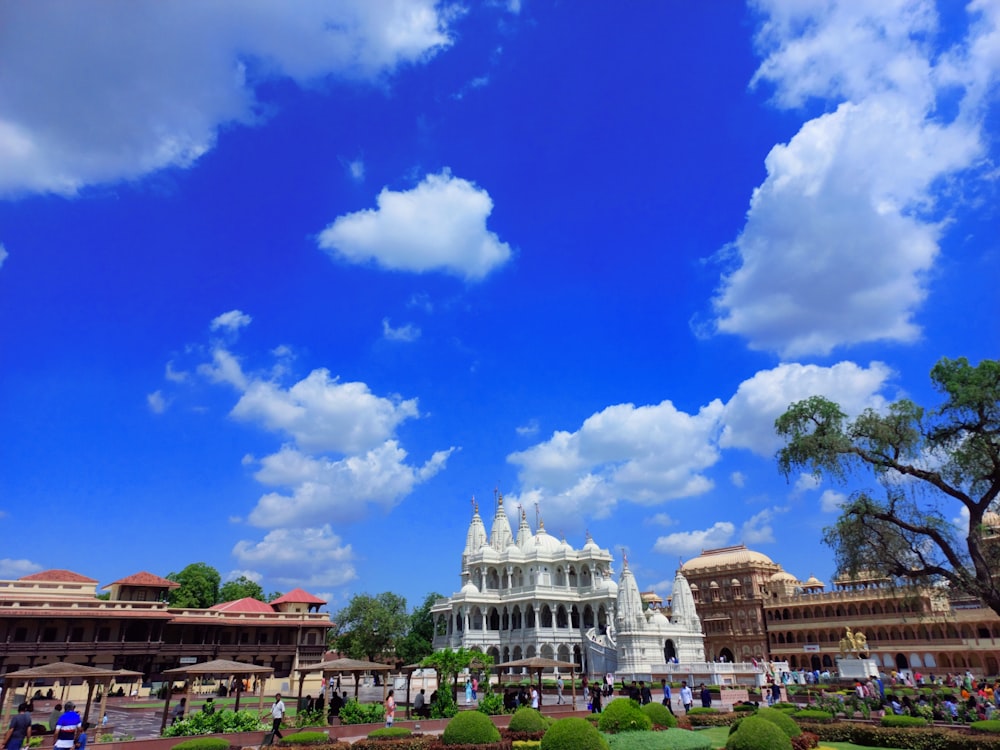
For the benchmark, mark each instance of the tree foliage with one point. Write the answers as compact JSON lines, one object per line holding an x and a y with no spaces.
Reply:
{"x":419,"y":639}
{"x":448,"y":663}
{"x":240,"y":588}
{"x":932,"y":465}
{"x":370,"y":626}
{"x":199,"y":586}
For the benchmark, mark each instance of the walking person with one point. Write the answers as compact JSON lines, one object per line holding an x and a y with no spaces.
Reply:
{"x":666,"y":694}
{"x":68,"y":726}
{"x":277,"y":715}
{"x":559,"y":690}
{"x":19,"y":731}
{"x":390,"y":709}
{"x":687,"y":698}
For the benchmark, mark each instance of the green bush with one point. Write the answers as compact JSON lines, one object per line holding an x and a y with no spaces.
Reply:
{"x":353,"y":712}
{"x":527,"y":744}
{"x":389,"y":733}
{"x":670,"y":739}
{"x":444,"y":706}
{"x":527,"y":719}
{"x":491,"y":704}
{"x":470,"y":728}
{"x":220,"y":722}
{"x":812,"y":714}
{"x":744,"y":708}
{"x":574,"y":734}
{"x":781,"y":720}
{"x":623,"y":715}
{"x":305,"y":738}
{"x":903,"y":721}
{"x":702,"y":710}
{"x":991,"y":726}
{"x":755,"y":733}
{"x":204,"y":743}
{"x":913,"y":738}
{"x":660,"y":715}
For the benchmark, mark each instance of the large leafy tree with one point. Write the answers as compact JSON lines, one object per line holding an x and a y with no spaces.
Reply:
{"x":933,"y":465}
{"x":370,"y":626}
{"x":240,"y":588}
{"x":199,"y":586}
{"x":419,"y":638}
{"x":449,"y":663}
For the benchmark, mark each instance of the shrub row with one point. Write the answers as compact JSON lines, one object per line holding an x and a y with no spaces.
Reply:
{"x":915,"y":738}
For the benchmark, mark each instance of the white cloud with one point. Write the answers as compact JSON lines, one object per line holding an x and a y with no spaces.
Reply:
{"x":325,"y":489}
{"x":323,"y":414}
{"x":690,"y":543}
{"x":174,"y":376}
{"x":738,"y":479}
{"x":440,"y":225}
{"x":529,"y":429}
{"x":645,"y":454}
{"x":806,"y":483}
{"x":156,"y":402}
{"x":839,"y":238}
{"x":250,"y":575}
{"x":3,"y":254}
{"x":101,"y":92}
{"x":231,"y":321}
{"x":356,"y":169}
{"x":663,"y":519}
{"x":749,"y":415}
{"x":225,"y":368}
{"x":405,"y":333}
{"x":830,"y":501}
{"x":758,"y":529}
{"x":299,"y":557}
{"x":11,"y":569}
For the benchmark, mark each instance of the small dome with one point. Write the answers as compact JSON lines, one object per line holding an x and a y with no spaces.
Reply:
{"x":514,"y":552}
{"x":610,"y":586}
{"x":783,"y":575}
{"x":590,"y":543}
{"x":713,"y":585}
{"x":735,"y":582}
{"x":814,"y":581}
{"x":469,"y":588}
{"x":545,"y":541}
{"x":657,"y":618}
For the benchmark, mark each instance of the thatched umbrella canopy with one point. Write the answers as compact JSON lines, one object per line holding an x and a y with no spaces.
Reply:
{"x":216,"y":668}
{"x":538,"y":664}
{"x":356,"y":667}
{"x":64,"y":672}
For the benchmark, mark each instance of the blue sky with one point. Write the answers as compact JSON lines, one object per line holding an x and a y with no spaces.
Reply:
{"x":283,"y":286}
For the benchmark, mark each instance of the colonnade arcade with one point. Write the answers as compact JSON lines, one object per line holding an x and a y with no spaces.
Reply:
{"x":472,"y":618}
{"x":513,"y":577}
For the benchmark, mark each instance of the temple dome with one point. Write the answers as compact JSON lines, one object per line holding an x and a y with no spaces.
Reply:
{"x":714,"y":558}
{"x":545,"y":541}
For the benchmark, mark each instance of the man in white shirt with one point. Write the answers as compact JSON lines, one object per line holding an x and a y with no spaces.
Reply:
{"x":277,"y":714}
{"x":687,"y":698}
{"x":534,"y":697}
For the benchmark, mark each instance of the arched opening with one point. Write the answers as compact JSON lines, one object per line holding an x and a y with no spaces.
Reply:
{"x":563,"y":653}
{"x":529,"y":618}
{"x":515,"y":618}
{"x":494,"y":620}
{"x":726,"y":655}
{"x":574,"y":618}
{"x":588,"y":617}
{"x":547,"y":652}
{"x":901,"y":662}
{"x":669,"y":651}
{"x":572,"y":578}
{"x":827,"y":661}
{"x":562,"y":619}
{"x":814,"y":661}
{"x":546,"y":616}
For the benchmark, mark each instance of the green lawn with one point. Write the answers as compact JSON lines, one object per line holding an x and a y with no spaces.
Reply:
{"x":718,"y":737}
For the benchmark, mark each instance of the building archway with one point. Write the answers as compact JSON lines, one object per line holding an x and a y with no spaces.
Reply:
{"x":901,"y":662}
{"x":726,"y":655}
{"x":669,"y":651}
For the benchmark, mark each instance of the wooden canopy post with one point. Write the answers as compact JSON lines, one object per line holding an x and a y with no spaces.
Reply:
{"x":239,"y":690}
{"x":90,"y":696}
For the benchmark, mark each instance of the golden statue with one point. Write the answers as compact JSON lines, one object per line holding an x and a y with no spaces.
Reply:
{"x":855,"y":644}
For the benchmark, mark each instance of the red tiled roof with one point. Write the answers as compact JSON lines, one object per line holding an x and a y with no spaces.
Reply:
{"x":58,"y":576}
{"x":143,"y":578}
{"x":298,"y":596}
{"x":246,"y":604}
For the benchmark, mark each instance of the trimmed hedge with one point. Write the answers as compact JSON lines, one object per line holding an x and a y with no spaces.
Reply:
{"x":781,"y":720}
{"x":755,"y":733}
{"x":526,"y":719}
{"x":573,"y":734}
{"x":660,"y":715}
{"x":744,"y":708}
{"x":990,"y":726}
{"x":708,"y":720}
{"x":305,"y":738}
{"x":470,"y":728}
{"x":813,"y":714}
{"x":623,"y":715}
{"x":527,"y":744}
{"x":202,"y":743}
{"x":914,"y":738}
{"x":404,"y":743}
{"x":390,"y":733}
{"x":702,"y":710}
{"x":903,"y":721}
